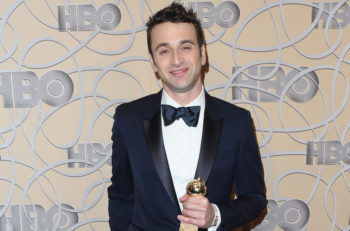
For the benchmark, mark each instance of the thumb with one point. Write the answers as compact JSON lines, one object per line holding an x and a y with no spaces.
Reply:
{"x":183,"y":198}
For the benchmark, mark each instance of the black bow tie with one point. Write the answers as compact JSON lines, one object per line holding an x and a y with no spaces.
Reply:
{"x":189,"y":114}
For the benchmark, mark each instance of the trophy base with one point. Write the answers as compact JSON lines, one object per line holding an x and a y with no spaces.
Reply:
{"x":187,"y":227}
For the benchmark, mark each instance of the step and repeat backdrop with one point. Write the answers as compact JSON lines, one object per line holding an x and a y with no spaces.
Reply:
{"x":66,"y":65}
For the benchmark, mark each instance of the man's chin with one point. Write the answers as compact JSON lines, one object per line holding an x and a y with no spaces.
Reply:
{"x":181,"y":89}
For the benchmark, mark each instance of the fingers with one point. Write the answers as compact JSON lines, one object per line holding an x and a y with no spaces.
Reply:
{"x":196,"y":214}
{"x":197,"y":210}
{"x":195,"y":204}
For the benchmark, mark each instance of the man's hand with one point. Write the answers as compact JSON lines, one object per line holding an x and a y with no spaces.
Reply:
{"x":197,"y":210}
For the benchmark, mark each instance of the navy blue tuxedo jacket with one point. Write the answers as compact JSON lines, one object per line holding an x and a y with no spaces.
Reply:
{"x":142,"y":195}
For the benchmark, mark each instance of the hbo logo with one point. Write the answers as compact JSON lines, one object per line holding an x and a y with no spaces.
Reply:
{"x":292,"y":216}
{"x":92,"y":153}
{"x":226,"y":14}
{"x":34,"y":217}
{"x":302,"y":90}
{"x":340,"y":19}
{"x":24,"y":89}
{"x":85,"y":17}
{"x":327,"y":152}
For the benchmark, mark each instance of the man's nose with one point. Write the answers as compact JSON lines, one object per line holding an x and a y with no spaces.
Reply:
{"x":177,"y":58}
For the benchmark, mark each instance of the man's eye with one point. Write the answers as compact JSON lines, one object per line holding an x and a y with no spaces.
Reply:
{"x":163,"y":52}
{"x":186,"y":47}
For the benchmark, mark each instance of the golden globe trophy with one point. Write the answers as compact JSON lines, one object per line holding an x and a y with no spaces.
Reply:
{"x":194,"y":188}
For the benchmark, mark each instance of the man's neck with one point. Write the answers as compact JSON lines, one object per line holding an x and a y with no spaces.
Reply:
{"x":184,"y":98}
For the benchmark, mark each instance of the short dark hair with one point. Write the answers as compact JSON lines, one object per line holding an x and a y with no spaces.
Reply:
{"x":175,"y":13}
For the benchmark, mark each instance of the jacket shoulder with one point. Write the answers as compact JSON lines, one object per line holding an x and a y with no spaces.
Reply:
{"x":138,"y":106}
{"x":228,"y":109}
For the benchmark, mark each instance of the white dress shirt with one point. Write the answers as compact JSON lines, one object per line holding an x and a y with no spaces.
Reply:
{"x":182,"y":145}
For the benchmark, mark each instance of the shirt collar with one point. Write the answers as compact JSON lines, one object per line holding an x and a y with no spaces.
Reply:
{"x":199,"y":101}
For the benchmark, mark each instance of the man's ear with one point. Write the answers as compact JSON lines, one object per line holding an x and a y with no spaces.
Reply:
{"x":203,"y":55}
{"x":154,"y":67}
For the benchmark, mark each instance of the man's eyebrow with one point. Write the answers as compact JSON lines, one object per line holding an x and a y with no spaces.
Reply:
{"x":161,"y":45}
{"x":187,"y":41}
{"x":165,"y":44}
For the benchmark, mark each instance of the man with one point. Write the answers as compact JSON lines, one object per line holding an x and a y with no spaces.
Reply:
{"x":154,"y":157}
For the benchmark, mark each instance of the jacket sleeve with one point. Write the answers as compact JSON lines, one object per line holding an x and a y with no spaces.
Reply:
{"x":249,"y":186}
{"x":120,"y":192}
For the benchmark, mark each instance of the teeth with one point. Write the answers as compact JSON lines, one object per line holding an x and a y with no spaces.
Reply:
{"x":177,"y":71}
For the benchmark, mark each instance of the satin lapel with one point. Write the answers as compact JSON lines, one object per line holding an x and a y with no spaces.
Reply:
{"x":154,"y":138}
{"x":210,"y":140}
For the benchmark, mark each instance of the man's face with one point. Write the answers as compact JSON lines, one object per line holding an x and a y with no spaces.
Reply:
{"x":177,"y":57}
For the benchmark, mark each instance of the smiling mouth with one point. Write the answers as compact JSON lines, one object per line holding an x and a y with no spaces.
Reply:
{"x":179,"y":72}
